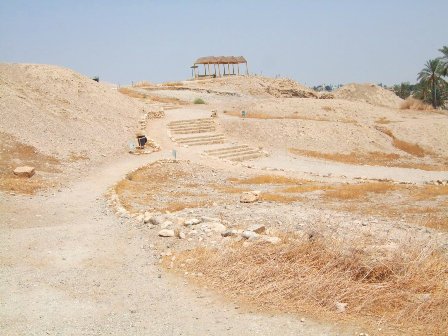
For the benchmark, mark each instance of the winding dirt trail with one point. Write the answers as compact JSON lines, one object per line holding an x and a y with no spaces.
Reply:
{"x":70,"y":267}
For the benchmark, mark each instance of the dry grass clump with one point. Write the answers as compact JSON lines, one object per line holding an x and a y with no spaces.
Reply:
{"x":383,"y":120}
{"x":403,"y":291}
{"x":14,"y":154}
{"x":430,"y":191}
{"x":131,"y":93}
{"x":372,"y":158}
{"x":415,"y":104}
{"x":278,"y":198}
{"x":437,"y":222}
{"x":173,"y":84}
{"x":410,"y":148}
{"x":357,"y":191}
{"x":267,"y":179}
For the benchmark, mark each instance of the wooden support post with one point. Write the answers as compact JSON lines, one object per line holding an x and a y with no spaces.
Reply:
{"x":247,"y":70}
{"x":209,"y":72}
{"x":238,"y":67}
{"x":219,"y":70}
{"x":205,"y":70}
{"x":228,"y":67}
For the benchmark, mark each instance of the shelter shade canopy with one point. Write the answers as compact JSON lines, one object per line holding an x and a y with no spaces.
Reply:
{"x":215,"y":66}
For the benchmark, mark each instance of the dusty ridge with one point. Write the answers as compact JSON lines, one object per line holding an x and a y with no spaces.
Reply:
{"x":369,"y":93}
{"x":69,"y":113}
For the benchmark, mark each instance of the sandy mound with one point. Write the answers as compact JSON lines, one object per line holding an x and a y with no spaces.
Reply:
{"x":257,"y":86}
{"x":62,"y":113}
{"x":369,"y":93}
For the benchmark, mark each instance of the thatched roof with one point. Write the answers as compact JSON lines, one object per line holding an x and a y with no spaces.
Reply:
{"x":220,"y":60}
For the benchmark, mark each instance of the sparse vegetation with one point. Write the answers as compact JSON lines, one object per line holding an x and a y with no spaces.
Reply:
{"x":199,"y":101}
{"x":401,"y":287}
{"x":412,"y":103}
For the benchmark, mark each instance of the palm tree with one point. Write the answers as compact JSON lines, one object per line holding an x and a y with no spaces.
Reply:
{"x":444,"y":59}
{"x":430,"y":75}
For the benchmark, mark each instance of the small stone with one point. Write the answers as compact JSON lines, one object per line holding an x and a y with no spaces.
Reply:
{"x":250,"y":197}
{"x":302,"y":320}
{"x":249,"y":234}
{"x":147,"y":217}
{"x":156,"y":220}
{"x":257,"y":228}
{"x":229,"y":233}
{"x":217,"y":227}
{"x":340,"y":307}
{"x":192,"y":221}
{"x":166,"y":224}
{"x":166,"y":233}
{"x":24,"y":171}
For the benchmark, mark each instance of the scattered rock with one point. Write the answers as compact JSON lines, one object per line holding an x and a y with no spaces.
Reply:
{"x":166,"y":233}
{"x":156,"y":220}
{"x":24,"y":171}
{"x":249,"y":234}
{"x":217,"y":227}
{"x":340,"y":307}
{"x":272,"y":240}
{"x":147,"y":217}
{"x":229,"y":233}
{"x":257,"y":228}
{"x":250,"y":197}
{"x":192,"y":221}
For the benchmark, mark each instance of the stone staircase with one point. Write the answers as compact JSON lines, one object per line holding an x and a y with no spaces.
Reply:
{"x":236,"y":153}
{"x":203,"y":132}
{"x":192,"y":126}
{"x":202,"y":140}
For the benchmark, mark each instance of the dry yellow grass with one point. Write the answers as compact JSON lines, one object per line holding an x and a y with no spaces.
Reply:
{"x":14,"y":154}
{"x":173,"y":84}
{"x":267,"y":179}
{"x":372,"y":158}
{"x":410,"y":148}
{"x":429,"y":191}
{"x":357,"y":191}
{"x":278,"y":198}
{"x":132,"y":93}
{"x":403,"y":291}
{"x":143,"y":83}
{"x":383,"y":120}
{"x":415,"y":104}
{"x":437,"y":222}
{"x":229,"y":189}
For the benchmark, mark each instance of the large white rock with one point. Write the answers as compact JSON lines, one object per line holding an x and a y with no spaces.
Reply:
{"x":250,"y":197}
{"x":166,"y":233}
{"x":192,"y":221}
{"x":25,"y":171}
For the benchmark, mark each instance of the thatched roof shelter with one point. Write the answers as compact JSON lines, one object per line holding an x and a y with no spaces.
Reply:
{"x":218,"y":62}
{"x":221,"y":60}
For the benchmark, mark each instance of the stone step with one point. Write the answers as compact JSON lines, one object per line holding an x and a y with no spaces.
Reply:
{"x":199,"y":137}
{"x":240,"y":153}
{"x":191,"y":127}
{"x":190,"y":121}
{"x":206,"y":142}
{"x":211,"y":138}
{"x":225,"y":150}
{"x":246,"y":157}
{"x":194,"y":130}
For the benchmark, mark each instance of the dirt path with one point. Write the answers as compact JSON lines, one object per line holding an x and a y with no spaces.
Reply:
{"x":70,"y":267}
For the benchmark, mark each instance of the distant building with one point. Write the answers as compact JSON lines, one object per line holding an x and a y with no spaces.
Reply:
{"x":216,"y":66}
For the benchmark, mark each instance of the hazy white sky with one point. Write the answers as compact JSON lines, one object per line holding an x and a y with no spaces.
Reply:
{"x":311,"y":41}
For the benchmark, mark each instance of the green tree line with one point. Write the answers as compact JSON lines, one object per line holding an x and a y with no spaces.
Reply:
{"x":431,"y":87}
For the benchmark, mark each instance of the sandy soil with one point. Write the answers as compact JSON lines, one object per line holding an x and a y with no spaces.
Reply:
{"x":72,"y":263}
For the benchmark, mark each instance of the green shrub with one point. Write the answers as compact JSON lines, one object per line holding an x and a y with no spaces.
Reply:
{"x":199,"y":101}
